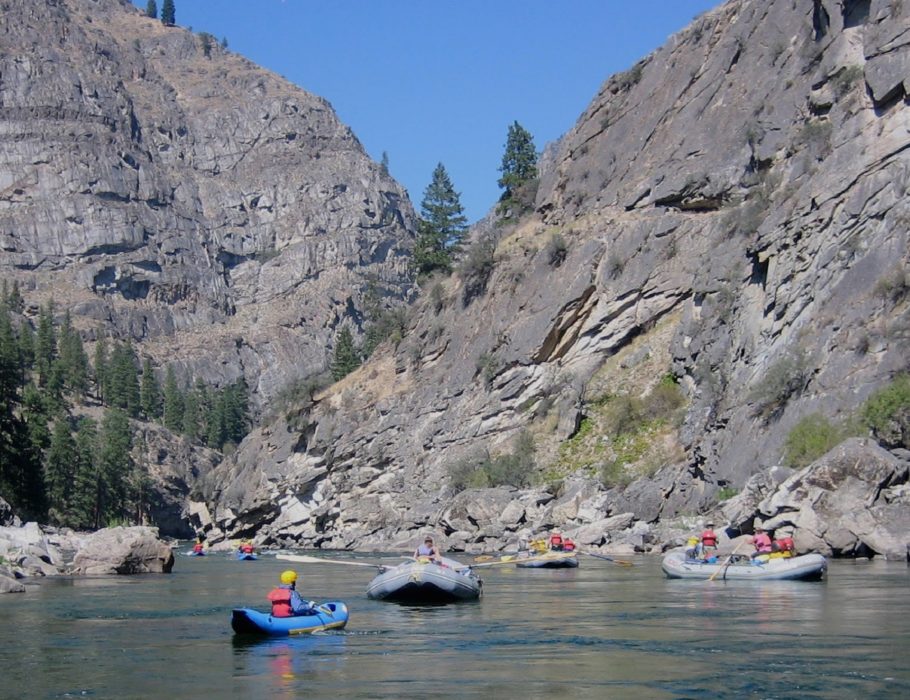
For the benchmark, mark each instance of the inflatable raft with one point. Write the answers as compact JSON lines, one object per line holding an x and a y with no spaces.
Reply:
{"x":549,"y":560}
{"x":246,"y":556}
{"x":805,"y":567}
{"x":426,"y":582}
{"x":328,"y":616}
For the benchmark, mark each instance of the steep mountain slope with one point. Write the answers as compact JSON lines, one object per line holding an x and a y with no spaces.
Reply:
{"x":732,"y":210}
{"x":173,"y":193}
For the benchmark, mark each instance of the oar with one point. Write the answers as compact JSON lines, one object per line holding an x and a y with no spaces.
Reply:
{"x":302,"y":558}
{"x":726,"y":563}
{"x":508,"y":559}
{"x":604,"y":556}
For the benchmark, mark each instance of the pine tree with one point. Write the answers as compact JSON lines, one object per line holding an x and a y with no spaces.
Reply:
{"x":173,"y":402}
{"x":46,"y":346}
{"x":26,"y":345}
{"x":115,"y":464}
{"x":150,"y":392}
{"x":122,"y":390}
{"x":192,"y":415}
{"x":72,"y":358}
{"x":86,"y":496}
{"x":29,"y":477}
{"x":442,"y":225}
{"x":168,"y":13}
{"x":100,"y":367}
{"x":151,"y":9}
{"x":60,"y":466}
{"x":519,"y":167}
{"x":384,"y":163}
{"x":345,"y":358}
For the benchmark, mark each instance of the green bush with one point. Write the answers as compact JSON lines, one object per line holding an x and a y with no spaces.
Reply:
{"x":887,"y":413}
{"x":476,"y":269}
{"x":785,"y":379}
{"x":480,"y":470}
{"x":809,"y":439}
{"x":725,"y":493}
{"x":555,"y":250}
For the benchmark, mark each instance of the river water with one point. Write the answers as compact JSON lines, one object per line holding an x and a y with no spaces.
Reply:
{"x":599,"y":631}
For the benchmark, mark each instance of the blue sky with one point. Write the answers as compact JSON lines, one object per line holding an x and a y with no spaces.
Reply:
{"x":431,"y":81}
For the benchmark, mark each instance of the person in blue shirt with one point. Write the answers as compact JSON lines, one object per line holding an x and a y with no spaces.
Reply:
{"x":286,"y":601}
{"x":427,"y":550}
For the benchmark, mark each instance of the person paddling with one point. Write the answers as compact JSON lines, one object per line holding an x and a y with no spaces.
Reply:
{"x":286,"y":601}
{"x":246,"y":547}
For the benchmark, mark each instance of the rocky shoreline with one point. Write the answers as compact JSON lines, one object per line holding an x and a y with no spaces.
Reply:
{"x":30,"y":551}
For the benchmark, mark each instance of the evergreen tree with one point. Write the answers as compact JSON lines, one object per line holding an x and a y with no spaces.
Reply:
{"x":46,"y":346}
{"x":13,"y":431}
{"x":173,"y":402}
{"x":215,"y":435}
{"x":122,"y":390}
{"x":115,"y":464}
{"x":151,"y":9}
{"x":519,"y":166}
{"x":192,"y":415}
{"x":442,"y":225}
{"x":384,"y":163}
{"x":29,"y":480}
{"x":150,"y":392}
{"x":346,"y":358}
{"x":10,"y":363}
{"x":60,"y":467}
{"x":168,"y":13}
{"x":236,"y":411}
{"x":100,"y":367}
{"x":72,"y":358}
{"x":87,"y":488}
{"x":26,"y":345}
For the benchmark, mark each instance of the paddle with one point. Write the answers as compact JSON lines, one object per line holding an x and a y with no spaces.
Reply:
{"x":512,"y":559}
{"x":726,"y":564}
{"x":604,"y":556}
{"x":302,"y":558}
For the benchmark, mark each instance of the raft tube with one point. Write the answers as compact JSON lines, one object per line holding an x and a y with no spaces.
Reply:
{"x":327,"y":616}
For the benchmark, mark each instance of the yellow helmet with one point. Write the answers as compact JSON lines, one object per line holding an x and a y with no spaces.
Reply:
{"x":288,"y":577}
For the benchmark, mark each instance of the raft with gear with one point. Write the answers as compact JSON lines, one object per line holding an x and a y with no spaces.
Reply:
{"x":806,"y":567}
{"x":326,"y":616}
{"x":426,"y":581}
{"x":548,"y":560}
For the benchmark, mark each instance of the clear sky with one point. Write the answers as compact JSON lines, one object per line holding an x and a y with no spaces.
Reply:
{"x":430,"y":81}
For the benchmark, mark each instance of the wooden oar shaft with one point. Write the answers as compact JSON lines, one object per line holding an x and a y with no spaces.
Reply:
{"x":724,"y":566}
{"x":610,"y":559}
{"x":304,"y":559}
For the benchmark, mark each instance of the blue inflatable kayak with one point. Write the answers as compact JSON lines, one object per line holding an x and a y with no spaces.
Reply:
{"x":246,"y":556}
{"x":328,"y":616}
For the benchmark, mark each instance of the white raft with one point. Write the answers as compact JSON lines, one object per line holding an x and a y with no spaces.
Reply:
{"x":807,"y":567}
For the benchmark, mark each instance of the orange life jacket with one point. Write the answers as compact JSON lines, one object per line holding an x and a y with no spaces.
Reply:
{"x":281,"y":602}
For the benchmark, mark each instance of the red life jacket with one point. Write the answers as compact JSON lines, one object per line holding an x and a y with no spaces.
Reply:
{"x":709,"y":538}
{"x":246,"y":548}
{"x":555,"y":541}
{"x":197,"y":547}
{"x":281,"y":602}
{"x":785,"y":544}
{"x":569,"y":545}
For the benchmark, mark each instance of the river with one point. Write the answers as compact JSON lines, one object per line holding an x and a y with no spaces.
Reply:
{"x":598,"y":631}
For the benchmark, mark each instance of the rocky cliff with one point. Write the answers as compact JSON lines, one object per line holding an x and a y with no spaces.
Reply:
{"x":171,"y":192}
{"x":730,"y":211}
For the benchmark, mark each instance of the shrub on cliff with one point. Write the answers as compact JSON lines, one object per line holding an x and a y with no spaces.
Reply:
{"x":887,"y":413}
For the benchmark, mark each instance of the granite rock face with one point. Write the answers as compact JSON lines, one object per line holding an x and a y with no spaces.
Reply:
{"x":734,"y":203}
{"x":124,"y":550}
{"x":173,"y":193}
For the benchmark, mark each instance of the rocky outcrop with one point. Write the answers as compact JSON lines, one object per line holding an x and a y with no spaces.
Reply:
{"x":732,"y":208}
{"x":124,"y":550}
{"x":851,"y":502}
{"x":31,"y":551}
{"x":172,"y":193}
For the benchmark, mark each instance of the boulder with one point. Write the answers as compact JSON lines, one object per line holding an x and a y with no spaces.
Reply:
{"x":7,"y":516}
{"x":124,"y":550}
{"x":10,"y":585}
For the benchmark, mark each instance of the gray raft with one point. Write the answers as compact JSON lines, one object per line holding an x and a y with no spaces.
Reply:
{"x":426,"y":582}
